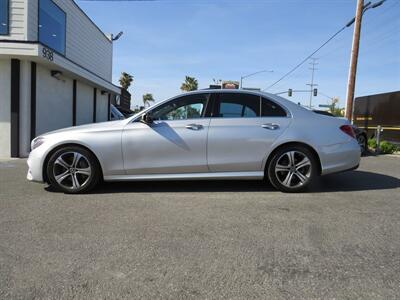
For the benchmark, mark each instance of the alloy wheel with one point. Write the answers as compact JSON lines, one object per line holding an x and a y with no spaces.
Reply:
{"x":72,"y":170}
{"x":293,"y":169}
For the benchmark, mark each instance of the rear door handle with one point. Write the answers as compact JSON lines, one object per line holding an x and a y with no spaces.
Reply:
{"x":194,"y":126}
{"x":270,"y":126}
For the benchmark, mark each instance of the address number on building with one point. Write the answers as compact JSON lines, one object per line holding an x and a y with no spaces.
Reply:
{"x":48,"y":54}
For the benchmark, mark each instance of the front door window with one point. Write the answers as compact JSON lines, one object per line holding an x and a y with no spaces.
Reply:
{"x":184,"y":108}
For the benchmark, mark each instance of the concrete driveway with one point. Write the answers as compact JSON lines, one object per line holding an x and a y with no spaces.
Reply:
{"x":179,"y":240}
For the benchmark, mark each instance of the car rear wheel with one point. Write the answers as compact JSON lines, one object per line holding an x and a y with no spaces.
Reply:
{"x":292,"y":169}
{"x":362,"y":141}
{"x":73,"y":170}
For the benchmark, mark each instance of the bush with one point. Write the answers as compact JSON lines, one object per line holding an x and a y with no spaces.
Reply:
{"x":387,"y":147}
{"x":372,"y":143}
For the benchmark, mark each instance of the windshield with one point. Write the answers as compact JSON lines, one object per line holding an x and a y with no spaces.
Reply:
{"x":116,"y":114}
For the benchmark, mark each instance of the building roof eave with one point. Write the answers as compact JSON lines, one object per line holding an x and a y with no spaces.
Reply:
{"x":32,"y":50}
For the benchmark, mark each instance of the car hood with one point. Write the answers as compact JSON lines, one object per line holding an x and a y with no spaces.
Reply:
{"x":103,"y":126}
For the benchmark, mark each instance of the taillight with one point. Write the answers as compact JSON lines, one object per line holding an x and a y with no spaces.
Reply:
{"x":348,"y":129}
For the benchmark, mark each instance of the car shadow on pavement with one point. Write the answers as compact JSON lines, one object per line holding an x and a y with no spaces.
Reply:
{"x":356,"y":181}
{"x":186,"y":186}
{"x":342,"y":182}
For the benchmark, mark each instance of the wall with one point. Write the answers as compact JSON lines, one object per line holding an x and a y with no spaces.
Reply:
{"x":102,"y":107}
{"x":84,"y":103}
{"x":5,"y":108}
{"x":22,"y":12}
{"x":25,"y":109}
{"x":54,"y":104}
{"x":86,"y":44}
{"x":32,"y":19}
{"x":17,"y":20}
{"x":53,"y":101}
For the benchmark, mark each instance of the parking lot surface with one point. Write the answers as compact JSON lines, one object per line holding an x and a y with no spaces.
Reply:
{"x":223,"y":239}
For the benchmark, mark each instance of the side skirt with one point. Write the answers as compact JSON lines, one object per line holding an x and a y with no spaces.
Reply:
{"x":188,"y":176}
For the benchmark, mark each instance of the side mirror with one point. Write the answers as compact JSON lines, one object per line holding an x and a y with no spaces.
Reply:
{"x":147,"y":118}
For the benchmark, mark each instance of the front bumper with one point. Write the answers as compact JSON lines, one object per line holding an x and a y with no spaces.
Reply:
{"x":35,"y":165}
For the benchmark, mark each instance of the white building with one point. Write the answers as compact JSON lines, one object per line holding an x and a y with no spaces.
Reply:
{"x":55,"y":71}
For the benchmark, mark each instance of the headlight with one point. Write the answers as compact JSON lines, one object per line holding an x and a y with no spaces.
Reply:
{"x":37,"y":142}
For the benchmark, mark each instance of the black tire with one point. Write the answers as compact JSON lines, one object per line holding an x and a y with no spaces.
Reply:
{"x":73,"y":177}
{"x":302,"y":176}
{"x":363,"y":142}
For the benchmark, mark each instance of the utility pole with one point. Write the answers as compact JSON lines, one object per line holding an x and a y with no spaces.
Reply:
{"x":313,"y":64}
{"x":354,"y":59}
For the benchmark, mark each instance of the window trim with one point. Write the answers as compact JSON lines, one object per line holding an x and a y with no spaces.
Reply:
{"x":8,"y":19}
{"x":209,"y":112}
{"x":65,"y":30}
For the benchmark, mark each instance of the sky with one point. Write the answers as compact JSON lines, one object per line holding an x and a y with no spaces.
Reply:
{"x":166,"y":40}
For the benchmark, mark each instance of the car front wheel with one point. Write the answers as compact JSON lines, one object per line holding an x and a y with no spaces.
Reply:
{"x":73,"y":170}
{"x":292,"y":169}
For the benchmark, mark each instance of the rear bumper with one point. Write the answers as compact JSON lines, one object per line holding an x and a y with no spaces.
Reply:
{"x":340,"y":157}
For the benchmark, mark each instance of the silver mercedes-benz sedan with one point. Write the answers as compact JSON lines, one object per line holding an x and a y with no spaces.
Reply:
{"x":209,"y":134}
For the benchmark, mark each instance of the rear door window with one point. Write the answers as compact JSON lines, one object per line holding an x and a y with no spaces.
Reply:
{"x":271,"y":109}
{"x":236,"y":105}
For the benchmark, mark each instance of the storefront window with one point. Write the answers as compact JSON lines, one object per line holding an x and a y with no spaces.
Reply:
{"x":52,"y":25}
{"x":4,"y":11}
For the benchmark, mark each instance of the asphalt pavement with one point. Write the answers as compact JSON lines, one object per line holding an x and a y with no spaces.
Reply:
{"x":203,"y":240}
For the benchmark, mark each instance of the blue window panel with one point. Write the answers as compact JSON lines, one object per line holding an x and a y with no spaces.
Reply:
{"x":4,"y":12}
{"x":52,"y":26}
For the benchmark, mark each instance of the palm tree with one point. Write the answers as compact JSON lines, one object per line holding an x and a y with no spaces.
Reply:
{"x":335,"y":110}
{"x":147,"y":98}
{"x":190,"y":84}
{"x":125,"y":80}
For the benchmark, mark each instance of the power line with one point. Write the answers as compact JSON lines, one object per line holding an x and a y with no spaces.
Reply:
{"x":320,"y":47}
{"x":387,"y":15}
{"x":386,"y":10}
{"x":308,"y":57}
{"x":372,"y":40}
{"x":376,"y":34}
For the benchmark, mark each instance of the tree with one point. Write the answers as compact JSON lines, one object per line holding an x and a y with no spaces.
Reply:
{"x":125,"y":80}
{"x":334,"y":110}
{"x":190,"y":84}
{"x":147,"y":98}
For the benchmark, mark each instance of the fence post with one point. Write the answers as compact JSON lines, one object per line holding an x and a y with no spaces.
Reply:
{"x":378,"y":139}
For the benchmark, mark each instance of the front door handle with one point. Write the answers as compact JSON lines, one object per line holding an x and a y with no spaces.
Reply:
{"x":270,"y":126}
{"x":194,"y":126}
